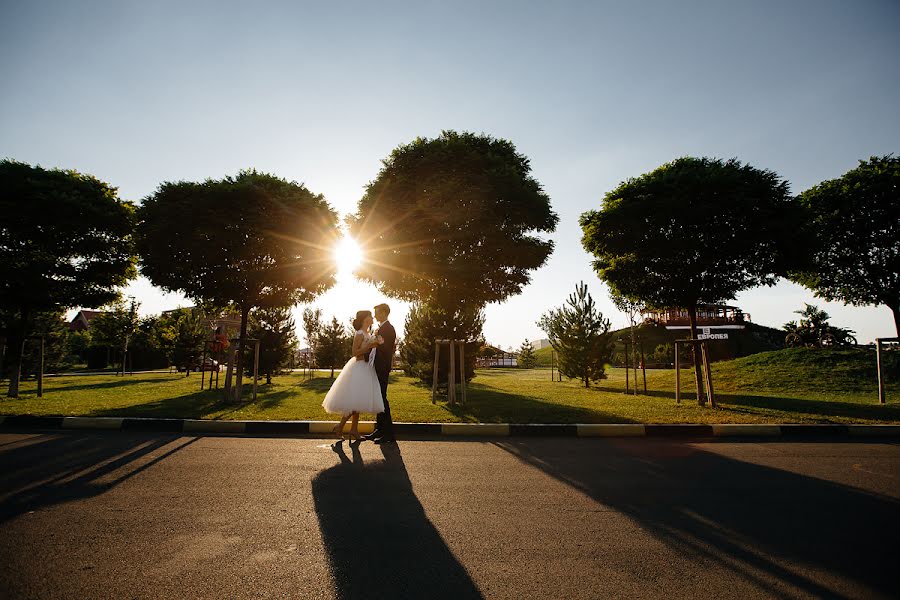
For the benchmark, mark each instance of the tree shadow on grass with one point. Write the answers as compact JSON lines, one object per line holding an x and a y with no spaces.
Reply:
{"x":196,"y":405}
{"x":317,"y":384}
{"x":775,"y":530}
{"x":814,"y":409}
{"x":487,"y":404}
{"x":108,"y":385}
{"x":378,"y":539}
{"x":59,"y":468}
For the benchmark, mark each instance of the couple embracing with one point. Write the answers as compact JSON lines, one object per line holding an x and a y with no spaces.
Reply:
{"x":362,"y":384}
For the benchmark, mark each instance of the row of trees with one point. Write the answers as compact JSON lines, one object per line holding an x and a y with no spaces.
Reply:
{"x":701,"y":230}
{"x":450,"y":223}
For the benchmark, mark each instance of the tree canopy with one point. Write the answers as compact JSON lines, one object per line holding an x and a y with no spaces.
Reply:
{"x":250,"y":240}
{"x":694,"y":230}
{"x":457,"y":216}
{"x":854,"y":221}
{"x":65,"y":241}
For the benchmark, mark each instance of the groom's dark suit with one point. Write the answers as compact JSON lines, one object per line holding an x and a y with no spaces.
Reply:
{"x":384,"y":358}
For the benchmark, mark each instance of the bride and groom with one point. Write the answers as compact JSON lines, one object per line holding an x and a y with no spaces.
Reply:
{"x":361,"y":386}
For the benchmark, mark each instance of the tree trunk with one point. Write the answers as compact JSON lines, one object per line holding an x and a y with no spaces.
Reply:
{"x":634,"y":355}
{"x":268,"y":379}
{"x":895,"y":310}
{"x":18,"y":352}
{"x":701,"y":399}
{"x":239,"y":379}
{"x":332,"y":371}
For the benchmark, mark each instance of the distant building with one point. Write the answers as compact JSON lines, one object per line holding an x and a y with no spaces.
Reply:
{"x":540,"y":344}
{"x":709,"y":316}
{"x":492,"y":356}
{"x":82,"y":320}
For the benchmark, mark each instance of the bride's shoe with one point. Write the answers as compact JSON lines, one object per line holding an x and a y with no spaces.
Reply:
{"x":338,"y":432}
{"x":354,"y":435}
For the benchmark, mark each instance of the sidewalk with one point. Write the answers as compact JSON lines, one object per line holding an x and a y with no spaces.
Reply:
{"x":323,"y":428}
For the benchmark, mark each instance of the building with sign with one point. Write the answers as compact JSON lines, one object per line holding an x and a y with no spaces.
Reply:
{"x":709,"y":316}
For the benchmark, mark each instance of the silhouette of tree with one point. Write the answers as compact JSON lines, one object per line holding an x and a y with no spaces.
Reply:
{"x":65,"y":241}
{"x":695,"y":230}
{"x":854,"y":221}
{"x":254,"y":240}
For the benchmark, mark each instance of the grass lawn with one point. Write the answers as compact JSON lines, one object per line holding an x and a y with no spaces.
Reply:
{"x":784,"y":386}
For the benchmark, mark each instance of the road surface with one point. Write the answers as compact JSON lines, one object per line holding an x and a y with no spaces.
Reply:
{"x":119,"y":514}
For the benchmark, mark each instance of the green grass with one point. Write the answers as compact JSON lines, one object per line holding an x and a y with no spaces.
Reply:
{"x":797,"y":386}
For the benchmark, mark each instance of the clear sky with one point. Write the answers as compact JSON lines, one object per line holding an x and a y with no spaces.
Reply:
{"x":138,"y":93}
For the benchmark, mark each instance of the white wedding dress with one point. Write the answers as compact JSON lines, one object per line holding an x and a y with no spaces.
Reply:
{"x":356,"y":387}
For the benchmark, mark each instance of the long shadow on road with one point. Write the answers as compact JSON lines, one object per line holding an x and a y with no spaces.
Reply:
{"x":758,"y":521}
{"x":379,"y":541}
{"x":56,"y":468}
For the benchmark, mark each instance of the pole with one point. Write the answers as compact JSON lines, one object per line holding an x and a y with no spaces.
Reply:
{"x":41,"y":371}
{"x":677,"y":376}
{"x":255,"y":369}
{"x":627,"y":388}
{"x":709,"y":385}
{"x":203,"y":371}
{"x":880,"y":365}
{"x":644,"y":366}
{"x":462,"y":367}
{"x":434,"y":377}
{"x":451,"y":377}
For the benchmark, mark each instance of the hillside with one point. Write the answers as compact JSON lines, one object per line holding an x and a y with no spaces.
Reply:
{"x":805,"y":369}
{"x":751,"y":340}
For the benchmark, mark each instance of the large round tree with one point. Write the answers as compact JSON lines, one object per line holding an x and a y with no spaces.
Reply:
{"x":854,"y":221}
{"x":454,"y":221}
{"x":695,"y":230}
{"x":65,"y":241}
{"x":254,"y":240}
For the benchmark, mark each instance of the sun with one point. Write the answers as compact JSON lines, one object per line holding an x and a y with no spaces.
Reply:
{"x":348,"y":255}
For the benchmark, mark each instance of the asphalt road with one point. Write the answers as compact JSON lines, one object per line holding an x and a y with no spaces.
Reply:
{"x":122,"y":515}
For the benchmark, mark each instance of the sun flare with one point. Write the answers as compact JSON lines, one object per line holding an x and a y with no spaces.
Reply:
{"x":348,"y":255}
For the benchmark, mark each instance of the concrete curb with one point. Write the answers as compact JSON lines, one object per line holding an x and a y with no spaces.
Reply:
{"x":324,"y":428}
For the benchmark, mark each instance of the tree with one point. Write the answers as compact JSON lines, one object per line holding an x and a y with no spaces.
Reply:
{"x":333,"y":346}
{"x":580,"y":335}
{"x":115,"y":326}
{"x":426,"y":322}
{"x":527,"y":358}
{"x":854,"y":221}
{"x":695,"y":230}
{"x":191,"y":330}
{"x":254,"y":240}
{"x":65,"y":241}
{"x":274,"y":328}
{"x":54,"y":329}
{"x":312,"y":325}
{"x":453,"y":222}
{"x":632,"y":309}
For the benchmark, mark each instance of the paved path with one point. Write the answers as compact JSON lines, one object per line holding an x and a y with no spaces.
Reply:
{"x":148,"y":515}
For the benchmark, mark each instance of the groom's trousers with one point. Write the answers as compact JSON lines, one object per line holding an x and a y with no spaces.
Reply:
{"x":384,"y":424}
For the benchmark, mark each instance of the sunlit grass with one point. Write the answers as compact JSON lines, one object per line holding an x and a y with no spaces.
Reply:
{"x":500,"y":395}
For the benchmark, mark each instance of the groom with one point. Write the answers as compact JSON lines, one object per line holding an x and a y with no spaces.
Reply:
{"x":384,"y":358}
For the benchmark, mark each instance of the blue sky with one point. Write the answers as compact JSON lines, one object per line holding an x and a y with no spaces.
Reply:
{"x":593,"y":92}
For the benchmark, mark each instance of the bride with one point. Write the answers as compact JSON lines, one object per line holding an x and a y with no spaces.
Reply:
{"x":356,"y":388}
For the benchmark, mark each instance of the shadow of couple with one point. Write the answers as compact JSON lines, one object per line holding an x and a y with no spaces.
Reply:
{"x":378,"y":539}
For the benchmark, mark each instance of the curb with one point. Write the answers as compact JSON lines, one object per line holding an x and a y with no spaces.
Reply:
{"x":319,"y":428}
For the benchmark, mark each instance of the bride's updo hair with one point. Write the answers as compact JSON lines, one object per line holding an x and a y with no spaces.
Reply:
{"x":361,"y":316}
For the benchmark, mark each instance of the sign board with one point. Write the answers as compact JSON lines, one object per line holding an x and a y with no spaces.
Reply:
{"x":707,"y":335}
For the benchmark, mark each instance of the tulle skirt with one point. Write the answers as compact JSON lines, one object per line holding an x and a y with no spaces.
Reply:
{"x":355,"y":389}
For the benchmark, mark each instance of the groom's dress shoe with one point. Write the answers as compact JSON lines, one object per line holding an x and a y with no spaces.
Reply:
{"x":383,"y":440}
{"x":371,"y":437}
